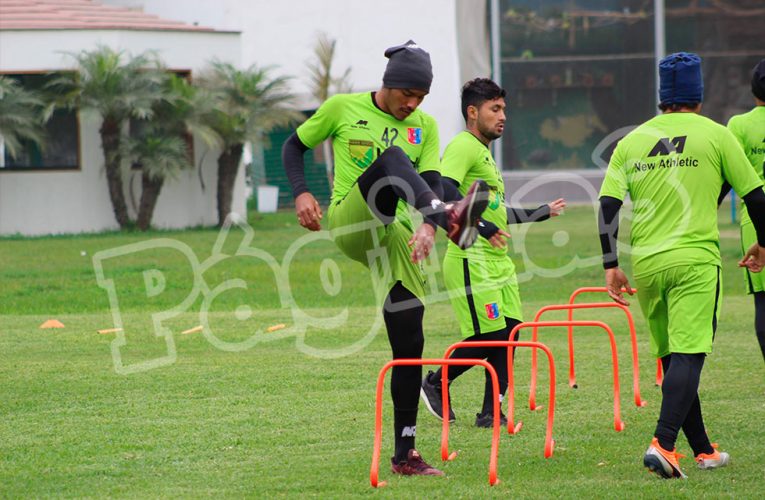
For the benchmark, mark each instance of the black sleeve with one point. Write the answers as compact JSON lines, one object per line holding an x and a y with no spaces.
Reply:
{"x":723,"y":192}
{"x":451,"y":193}
{"x":451,"y":189}
{"x":755,"y":205}
{"x":608,"y":228}
{"x":433,"y":178}
{"x":294,"y":166}
{"x":524,"y":215}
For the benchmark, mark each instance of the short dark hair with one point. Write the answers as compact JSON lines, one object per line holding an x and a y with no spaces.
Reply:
{"x":479,"y":90}
{"x":677,"y":106}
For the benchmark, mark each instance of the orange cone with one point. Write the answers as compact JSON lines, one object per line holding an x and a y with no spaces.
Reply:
{"x":52,"y":323}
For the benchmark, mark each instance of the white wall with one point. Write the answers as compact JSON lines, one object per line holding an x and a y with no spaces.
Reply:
{"x":283,"y":33}
{"x":69,"y":201}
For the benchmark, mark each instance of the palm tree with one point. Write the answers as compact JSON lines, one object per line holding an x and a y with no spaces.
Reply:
{"x":21,"y":116}
{"x":118,"y":87}
{"x":161,"y":145}
{"x":323,"y":85}
{"x":248,"y":104}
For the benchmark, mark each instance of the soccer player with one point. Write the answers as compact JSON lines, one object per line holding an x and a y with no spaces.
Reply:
{"x":386,"y":152}
{"x":481,"y":280}
{"x":674,"y":166}
{"x":749,"y":129}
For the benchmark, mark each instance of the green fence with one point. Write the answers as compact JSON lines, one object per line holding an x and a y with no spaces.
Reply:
{"x":315,"y":170}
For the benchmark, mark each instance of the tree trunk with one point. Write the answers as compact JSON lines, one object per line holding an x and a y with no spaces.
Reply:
{"x":150,"y":188}
{"x":228,"y":167}
{"x":110,"y":142}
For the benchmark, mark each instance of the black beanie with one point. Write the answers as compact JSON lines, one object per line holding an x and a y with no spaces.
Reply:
{"x":758,"y":80}
{"x":408,"y":68}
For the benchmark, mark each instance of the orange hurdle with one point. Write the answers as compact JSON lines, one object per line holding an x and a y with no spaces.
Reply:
{"x":618,"y":422}
{"x":374,"y":469}
{"x":572,"y":380}
{"x":602,"y":289}
{"x":511,"y":428}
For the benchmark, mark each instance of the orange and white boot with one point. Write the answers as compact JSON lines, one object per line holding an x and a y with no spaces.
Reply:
{"x":712,"y":460}
{"x":662,"y":462}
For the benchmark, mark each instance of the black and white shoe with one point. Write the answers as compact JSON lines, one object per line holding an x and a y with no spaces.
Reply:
{"x":430,"y":392}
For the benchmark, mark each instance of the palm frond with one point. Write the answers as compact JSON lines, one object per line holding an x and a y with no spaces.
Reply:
{"x":21,"y":116}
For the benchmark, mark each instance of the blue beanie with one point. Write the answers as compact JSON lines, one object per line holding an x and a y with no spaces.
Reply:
{"x":680,"y":79}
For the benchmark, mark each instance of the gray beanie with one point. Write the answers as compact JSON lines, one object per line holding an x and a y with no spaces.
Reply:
{"x":408,"y":68}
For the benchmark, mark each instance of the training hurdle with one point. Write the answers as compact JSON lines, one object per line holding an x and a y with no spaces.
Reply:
{"x":602,"y":289}
{"x":572,"y":377}
{"x":535,"y":325}
{"x":374,"y":469}
{"x":511,"y":427}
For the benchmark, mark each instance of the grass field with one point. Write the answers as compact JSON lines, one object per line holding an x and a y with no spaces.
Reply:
{"x":238,"y":411}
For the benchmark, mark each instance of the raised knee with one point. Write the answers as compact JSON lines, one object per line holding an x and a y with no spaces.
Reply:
{"x":395,"y":154}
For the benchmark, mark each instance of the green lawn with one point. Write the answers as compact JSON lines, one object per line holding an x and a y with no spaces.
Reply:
{"x":240,"y":411}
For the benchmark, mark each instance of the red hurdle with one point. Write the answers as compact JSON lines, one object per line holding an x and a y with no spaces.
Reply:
{"x":602,"y":289}
{"x":511,"y":428}
{"x":374,"y":469}
{"x":535,"y":325}
{"x":572,"y":377}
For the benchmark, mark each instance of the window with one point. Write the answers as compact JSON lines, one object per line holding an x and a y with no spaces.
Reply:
{"x":61,"y":148}
{"x":578,"y":70}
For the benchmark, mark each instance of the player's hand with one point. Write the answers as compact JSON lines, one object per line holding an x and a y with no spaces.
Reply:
{"x":308,"y":211}
{"x":754,"y":259}
{"x":499,"y":239}
{"x":615,"y":281}
{"x":556,"y":207}
{"x":421,"y":242}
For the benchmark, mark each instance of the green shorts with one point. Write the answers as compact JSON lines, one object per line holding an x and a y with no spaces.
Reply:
{"x":754,"y":281}
{"x":482,"y":292}
{"x":382,"y":248}
{"x":681,"y":306}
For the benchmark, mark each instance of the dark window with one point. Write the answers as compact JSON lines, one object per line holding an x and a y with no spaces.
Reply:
{"x":61,"y":147}
{"x":578,"y":70}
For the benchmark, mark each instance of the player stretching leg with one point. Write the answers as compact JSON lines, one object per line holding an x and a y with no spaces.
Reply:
{"x":386,"y":150}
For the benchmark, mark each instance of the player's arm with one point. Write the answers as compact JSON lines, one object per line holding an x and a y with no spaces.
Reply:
{"x":754,"y":259}
{"x":737,"y":171}
{"x":542,"y":212}
{"x":724,"y":190}
{"x":308,"y":135}
{"x":307,"y":208}
{"x":429,"y":161}
{"x":608,"y":228}
{"x":612,"y":194}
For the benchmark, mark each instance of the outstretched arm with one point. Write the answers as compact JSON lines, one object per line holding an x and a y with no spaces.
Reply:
{"x":542,"y":212}
{"x":308,"y":211}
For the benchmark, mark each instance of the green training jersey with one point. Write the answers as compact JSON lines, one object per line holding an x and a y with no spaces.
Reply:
{"x":466,"y":160}
{"x":361,"y":131}
{"x":749,"y":129}
{"x":673,"y":166}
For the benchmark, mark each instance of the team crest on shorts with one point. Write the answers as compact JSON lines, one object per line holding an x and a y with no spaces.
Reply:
{"x":492,"y":310}
{"x":414,"y":135}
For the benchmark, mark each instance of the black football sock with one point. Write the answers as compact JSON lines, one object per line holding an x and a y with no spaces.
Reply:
{"x":759,"y":320}
{"x":679,"y":388}
{"x":497,"y":358}
{"x":404,"y":326}
{"x":694,"y":430}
